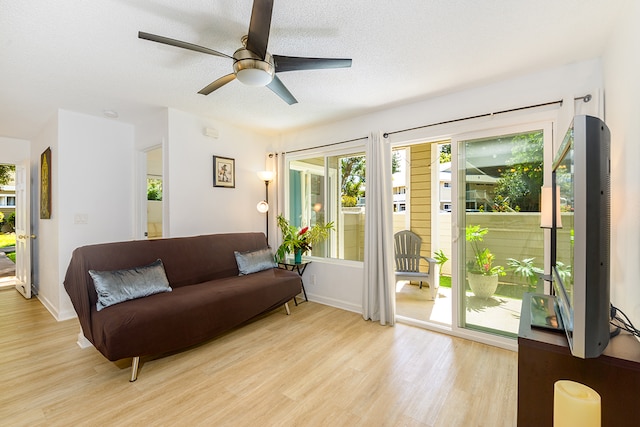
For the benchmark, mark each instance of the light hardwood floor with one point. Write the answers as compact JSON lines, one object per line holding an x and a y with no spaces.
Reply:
{"x":318,"y":367}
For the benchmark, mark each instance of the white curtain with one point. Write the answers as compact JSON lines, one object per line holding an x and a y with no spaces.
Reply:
{"x":378,"y":299}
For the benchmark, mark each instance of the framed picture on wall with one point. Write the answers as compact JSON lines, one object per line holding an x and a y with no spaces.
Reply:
{"x":45,"y":184}
{"x":224,"y":172}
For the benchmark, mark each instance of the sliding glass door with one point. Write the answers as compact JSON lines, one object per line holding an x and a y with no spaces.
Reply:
{"x":500,"y":248}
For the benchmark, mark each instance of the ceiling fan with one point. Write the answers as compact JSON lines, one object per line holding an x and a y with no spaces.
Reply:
{"x":252,"y":64}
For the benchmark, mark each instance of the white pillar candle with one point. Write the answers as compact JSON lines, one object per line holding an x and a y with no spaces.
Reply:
{"x":575,"y":405}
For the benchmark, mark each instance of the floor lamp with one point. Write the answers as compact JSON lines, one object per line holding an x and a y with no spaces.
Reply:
{"x":263,"y":206}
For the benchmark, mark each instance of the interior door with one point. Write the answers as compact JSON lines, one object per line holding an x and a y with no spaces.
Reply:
{"x":23,"y":230}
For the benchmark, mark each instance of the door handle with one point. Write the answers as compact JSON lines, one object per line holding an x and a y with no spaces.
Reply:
{"x":24,"y":236}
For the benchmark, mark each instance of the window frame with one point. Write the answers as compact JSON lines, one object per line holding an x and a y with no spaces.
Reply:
{"x":352,"y":148}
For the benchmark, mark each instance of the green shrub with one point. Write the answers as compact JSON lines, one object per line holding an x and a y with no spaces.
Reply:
{"x":154,"y":189}
{"x":349,"y":201}
{"x":11,"y":220}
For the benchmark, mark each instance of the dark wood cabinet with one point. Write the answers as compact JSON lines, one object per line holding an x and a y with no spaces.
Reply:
{"x":544,"y":358}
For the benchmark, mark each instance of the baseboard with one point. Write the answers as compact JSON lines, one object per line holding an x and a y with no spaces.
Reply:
{"x":343,"y":305}
{"x":59,"y":316}
{"x":67,"y":315}
{"x":47,"y":304}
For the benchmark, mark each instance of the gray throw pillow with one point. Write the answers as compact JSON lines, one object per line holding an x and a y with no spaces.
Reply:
{"x":254,"y":261}
{"x":118,"y":286}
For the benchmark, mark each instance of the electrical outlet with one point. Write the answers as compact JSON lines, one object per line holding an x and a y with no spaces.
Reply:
{"x":313,"y":279}
{"x":81,"y":219}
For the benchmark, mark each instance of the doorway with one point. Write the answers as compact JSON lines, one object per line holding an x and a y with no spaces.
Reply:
{"x":420,"y":173}
{"x":154,"y":194}
{"x":7,"y":225}
{"x":16,"y":227}
{"x":498,"y":175}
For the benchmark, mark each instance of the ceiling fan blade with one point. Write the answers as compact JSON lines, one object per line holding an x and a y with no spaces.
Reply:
{"x":259,"y":27}
{"x":217,"y":84}
{"x":294,"y":63}
{"x":178,"y":43}
{"x":281,"y":90}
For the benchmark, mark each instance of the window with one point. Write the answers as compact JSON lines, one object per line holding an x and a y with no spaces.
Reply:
{"x":7,"y":200}
{"x":330,"y":189}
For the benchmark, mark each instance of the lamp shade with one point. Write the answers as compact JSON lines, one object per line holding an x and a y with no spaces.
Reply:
{"x":266,"y":175}
{"x":263,"y":207}
{"x":546,"y":208}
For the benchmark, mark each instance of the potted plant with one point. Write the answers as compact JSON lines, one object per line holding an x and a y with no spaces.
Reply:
{"x":482,"y":274}
{"x":300,"y":241}
{"x":440,"y":258}
{"x":531,"y":273}
{"x":526,"y":269}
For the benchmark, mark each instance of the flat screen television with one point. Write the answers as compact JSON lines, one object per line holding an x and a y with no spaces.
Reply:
{"x":580,"y":235}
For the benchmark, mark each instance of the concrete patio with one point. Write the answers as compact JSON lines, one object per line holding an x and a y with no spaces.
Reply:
{"x":497,"y":312}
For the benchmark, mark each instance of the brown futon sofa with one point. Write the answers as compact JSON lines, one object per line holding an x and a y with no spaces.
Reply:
{"x":205,"y":295}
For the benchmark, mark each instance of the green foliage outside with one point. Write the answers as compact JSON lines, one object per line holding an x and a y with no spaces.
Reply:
{"x":445,"y":281}
{"x":154,"y":189}
{"x":7,"y":174}
{"x":352,"y":177}
{"x":482,"y":262}
{"x":528,"y":271}
{"x":445,"y":153}
{"x":395,"y":162}
{"x":352,"y":173}
{"x":8,"y":239}
{"x":518,"y":187}
{"x":11,"y":220}
{"x":440,"y":258}
{"x":349,"y":201}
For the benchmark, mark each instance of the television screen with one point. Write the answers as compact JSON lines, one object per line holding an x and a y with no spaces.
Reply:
{"x":580,"y":239}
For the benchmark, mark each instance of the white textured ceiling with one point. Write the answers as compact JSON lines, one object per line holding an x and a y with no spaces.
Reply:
{"x":85,"y":56}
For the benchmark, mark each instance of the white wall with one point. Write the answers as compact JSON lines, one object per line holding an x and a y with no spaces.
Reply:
{"x":196,"y":207}
{"x":46,"y":271}
{"x":14,"y":150}
{"x":342,"y":284}
{"x":621,"y":70}
{"x":92,"y":181}
{"x":151,"y":130}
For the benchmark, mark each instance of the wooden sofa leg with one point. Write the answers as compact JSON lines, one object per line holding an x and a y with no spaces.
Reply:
{"x":134,"y":368}
{"x":286,"y":307}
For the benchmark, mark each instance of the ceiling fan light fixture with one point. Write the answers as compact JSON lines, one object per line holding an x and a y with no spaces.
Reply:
{"x":253,"y":65}
{"x":254,"y":76}
{"x":251,"y":70}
